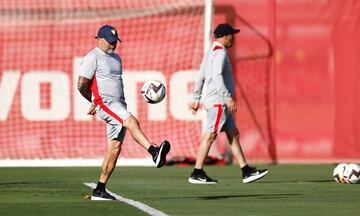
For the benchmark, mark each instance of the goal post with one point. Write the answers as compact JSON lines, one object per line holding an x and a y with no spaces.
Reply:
{"x":209,"y":13}
{"x":43,"y":119}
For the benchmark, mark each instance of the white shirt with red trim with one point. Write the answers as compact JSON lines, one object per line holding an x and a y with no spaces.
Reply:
{"x":105,"y":70}
{"x":216,"y":74}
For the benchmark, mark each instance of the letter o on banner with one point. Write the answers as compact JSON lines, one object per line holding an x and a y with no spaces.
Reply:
{"x":31,"y":96}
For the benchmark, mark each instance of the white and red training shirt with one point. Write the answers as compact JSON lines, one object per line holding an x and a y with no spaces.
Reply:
{"x":106,"y":72}
{"x":216,"y":74}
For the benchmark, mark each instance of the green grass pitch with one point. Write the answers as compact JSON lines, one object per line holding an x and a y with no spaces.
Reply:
{"x":286,"y":190}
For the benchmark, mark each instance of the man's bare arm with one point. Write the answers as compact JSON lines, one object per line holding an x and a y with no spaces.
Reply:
{"x":84,"y":87}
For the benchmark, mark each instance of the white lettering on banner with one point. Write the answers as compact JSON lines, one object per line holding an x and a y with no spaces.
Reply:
{"x":179,"y":89}
{"x":59,"y":98}
{"x":156,"y":112}
{"x":8,"y":86}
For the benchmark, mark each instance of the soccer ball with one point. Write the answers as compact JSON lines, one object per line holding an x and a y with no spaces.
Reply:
{"x":352,"y":173}
{"x":153,"y":91}
{"x":338,"y":173}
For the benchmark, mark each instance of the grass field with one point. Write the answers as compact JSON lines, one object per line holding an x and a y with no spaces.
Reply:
{"x":287,"y":190}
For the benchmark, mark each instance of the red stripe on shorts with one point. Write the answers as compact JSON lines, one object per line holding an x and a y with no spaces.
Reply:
{"x":218,"y":117}
{"x":98,"y":101}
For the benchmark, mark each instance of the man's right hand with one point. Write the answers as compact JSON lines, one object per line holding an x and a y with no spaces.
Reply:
{"x":92,"y":110}
{"x":231,"y":105}
{"x":194,"y":107}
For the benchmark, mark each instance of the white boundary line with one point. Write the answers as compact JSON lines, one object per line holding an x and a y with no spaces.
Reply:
{"x":136,"y":204}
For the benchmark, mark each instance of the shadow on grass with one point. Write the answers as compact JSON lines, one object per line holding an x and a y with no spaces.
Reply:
{"x":19,"y":183}
{"x":3,"y":184}
{"x":261,"y":196}
{"x":219,"y":197}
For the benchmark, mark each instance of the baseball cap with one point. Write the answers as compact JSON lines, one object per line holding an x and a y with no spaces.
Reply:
{"x":109,"y":33}
{"x":224,"y":29}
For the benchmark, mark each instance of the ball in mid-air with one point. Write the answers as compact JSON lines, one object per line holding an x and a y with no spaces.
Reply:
{"x":153,"y":91}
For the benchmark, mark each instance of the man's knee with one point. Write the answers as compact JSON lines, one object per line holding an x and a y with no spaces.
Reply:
{"x":114,"y":146}
{"x":131,"y":122}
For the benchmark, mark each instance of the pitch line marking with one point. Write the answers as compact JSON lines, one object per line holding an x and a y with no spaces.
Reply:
{"x":136,"y":204}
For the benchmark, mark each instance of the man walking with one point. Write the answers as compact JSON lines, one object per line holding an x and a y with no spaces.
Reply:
{"x":216,"y":72}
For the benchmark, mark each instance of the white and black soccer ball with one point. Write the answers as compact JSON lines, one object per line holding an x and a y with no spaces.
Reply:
{"x":352,"y":173}
{"x":153,"y":91}
{"x":338,"y":173}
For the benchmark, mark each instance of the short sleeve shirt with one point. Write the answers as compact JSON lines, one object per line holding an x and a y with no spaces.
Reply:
{"x":105,"y":70}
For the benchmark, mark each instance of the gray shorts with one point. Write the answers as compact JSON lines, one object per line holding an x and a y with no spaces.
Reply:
{"x":218,"y":119}
{"x":113,"y":113}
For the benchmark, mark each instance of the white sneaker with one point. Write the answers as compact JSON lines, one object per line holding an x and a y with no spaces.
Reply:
{"x":201,"y":178}
{"x":254,"y":175}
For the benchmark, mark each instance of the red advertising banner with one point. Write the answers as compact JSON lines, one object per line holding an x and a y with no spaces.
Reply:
{"x":294,"y":65}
